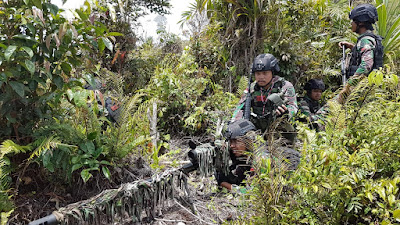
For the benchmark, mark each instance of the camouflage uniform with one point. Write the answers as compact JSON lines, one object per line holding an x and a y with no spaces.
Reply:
{"x":310,"y":107}
{"x":263,"y":109}
{"x":314,"y":110}
{"x":365,"y":47}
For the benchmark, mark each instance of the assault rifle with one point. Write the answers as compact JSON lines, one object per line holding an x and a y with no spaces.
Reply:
{"x":207,"y":158}
{"x":344,"y":65}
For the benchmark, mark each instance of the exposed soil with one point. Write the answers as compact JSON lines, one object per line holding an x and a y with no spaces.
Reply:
{"x":40,"y":193}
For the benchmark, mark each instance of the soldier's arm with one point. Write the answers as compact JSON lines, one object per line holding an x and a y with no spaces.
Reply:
{"x":366,"y":47}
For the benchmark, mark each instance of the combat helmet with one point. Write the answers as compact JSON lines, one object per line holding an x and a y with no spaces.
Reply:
{"x":265,"y":62}
{"x":364,"y":13}
{"x":239,"y":128}
{"x":314,"y":84}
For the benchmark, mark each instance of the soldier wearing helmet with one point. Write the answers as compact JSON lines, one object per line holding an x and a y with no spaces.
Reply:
{"x":241,"y":135}
{"x":367,"y":53}
{"x":265,"y":111}
{"x":246,"y":152}
{"x":310,"y":103}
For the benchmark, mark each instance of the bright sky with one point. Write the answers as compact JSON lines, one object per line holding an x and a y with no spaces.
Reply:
{"x":149,"y":26}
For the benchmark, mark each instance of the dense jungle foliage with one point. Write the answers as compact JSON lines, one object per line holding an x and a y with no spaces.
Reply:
{"x":56,"y":126}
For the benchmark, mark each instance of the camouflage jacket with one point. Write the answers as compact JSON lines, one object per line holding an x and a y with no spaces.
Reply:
{"x":309,"y":107}
{"x":365,"y":47}
{"x":262,"y":107}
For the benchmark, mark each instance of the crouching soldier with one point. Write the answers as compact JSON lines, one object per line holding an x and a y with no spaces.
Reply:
{"x":243,"y":147}
{"x":240,"y":135}
{"x":311,"y":102}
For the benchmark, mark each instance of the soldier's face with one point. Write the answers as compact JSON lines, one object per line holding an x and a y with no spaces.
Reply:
{"x":238,"y":147}
{"x":263,"y":77}
{"x":316,"y":94}
{"x":353,"y":26}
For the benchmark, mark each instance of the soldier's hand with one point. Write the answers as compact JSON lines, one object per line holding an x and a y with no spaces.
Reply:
{"x":346,"y":44}
{"x":281,"y":110}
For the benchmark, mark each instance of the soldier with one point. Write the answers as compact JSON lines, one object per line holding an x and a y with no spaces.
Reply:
{"x":367,"y":54}
{"x":310,"y":104}
{"x":264,"y":111}
{"x":243,"y":147}
{"x":241,"y":135}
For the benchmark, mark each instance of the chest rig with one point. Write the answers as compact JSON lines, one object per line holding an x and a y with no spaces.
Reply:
{"x":263,"y":109}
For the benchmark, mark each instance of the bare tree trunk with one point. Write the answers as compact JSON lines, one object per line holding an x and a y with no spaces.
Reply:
{"x":153,"y":125}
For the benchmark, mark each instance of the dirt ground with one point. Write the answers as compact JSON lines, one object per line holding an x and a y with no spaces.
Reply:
{"x":38,"y":195}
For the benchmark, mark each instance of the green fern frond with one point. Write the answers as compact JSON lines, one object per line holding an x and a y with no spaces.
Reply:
{"x":9,"y":146}
{"x":47,"y":144}
{"x":243,"y":84}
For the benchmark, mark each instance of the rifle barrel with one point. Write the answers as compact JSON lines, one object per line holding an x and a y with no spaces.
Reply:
{"x":343,"y":65}
{"x":48,"y":220}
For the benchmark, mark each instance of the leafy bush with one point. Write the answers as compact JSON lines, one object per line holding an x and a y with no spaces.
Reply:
{"x":40,"y":51}
{"x":349,"y":173}
{"x":188,"y":98}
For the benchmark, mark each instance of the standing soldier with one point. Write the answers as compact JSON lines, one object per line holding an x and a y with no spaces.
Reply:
{"x":265,"y":111}
{"x":310,"y":104}
{"x":367,"y":54}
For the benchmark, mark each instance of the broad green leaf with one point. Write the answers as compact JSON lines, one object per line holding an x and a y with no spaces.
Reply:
{"x":58,"y":81}
{"x":75,"y":167}
{"x":23,"y":20}
{"x":86,"y":175}
{"x":28,"y":50}
{"x":37,"y":3}
{"x":53,"y":9}
{"x":26,"y":2}
{"x":76,"y":159}
{"x":382,"y":193}
{"x":31,"y":28}
{"x":25,"y":37}
{"x":82,"y":15}
{"x":19,"y":88}
{"x":30,"y":66}
{"x":90,"y":147}
{"x":115,"y":34}
{"x":391,"y":199}
{"x":107,"y":43}
{"x":326,"y":185}
{"x":92,"y":136}
{"x":106,"y":172}
{"x":396,"y":214}
{"x":66,"y":67}
{"x":70,"y":94}
{"x":369,"y":196}
{"x":101,"y":44}
{"x":9,"y":51}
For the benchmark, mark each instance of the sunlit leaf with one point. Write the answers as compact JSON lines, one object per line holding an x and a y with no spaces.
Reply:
{"x":30,"y":66}
{"x":107,"y":43}
{"x":9,"y":51}
{"x":86,"y":175}
{"x":115,"y":34}
{"x":106,"y":172}
{"x":396,"y":214}
{"x":28,"y":50}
